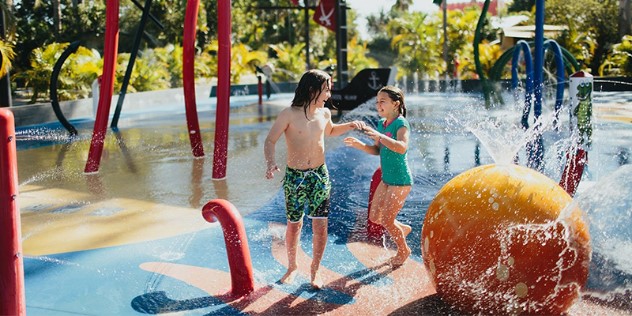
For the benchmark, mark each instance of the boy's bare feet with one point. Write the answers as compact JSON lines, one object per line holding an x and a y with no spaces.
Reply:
{"x":317,"y":282}
{"x":289,"y":276}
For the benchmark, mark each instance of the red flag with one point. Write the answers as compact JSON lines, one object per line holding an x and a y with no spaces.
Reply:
{"x":325,"y":14}
{"x":295,"y":2}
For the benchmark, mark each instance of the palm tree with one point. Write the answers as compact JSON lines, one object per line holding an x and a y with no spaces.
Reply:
{"x":7,"y":52}
{"x":417,"y":39}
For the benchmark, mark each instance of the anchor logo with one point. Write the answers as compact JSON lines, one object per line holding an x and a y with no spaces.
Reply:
{"x":374,"y":81}
{"x":325,"y":18}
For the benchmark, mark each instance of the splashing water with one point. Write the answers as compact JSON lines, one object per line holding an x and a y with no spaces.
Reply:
{"x":501,"y":138}
{"x":608,"y":206}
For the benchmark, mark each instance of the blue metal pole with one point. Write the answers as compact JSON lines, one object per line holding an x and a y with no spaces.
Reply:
{"x":526,"y":52}
{"x":538,"y":57}
{"x":535,"y":148}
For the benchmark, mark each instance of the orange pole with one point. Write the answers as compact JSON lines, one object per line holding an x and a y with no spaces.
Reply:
{"x":12,"y":298}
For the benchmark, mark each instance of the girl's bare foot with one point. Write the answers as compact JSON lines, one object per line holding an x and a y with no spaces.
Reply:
{"x":406,"y":229}
{"x":400,"y":257}
{"x":289,"y":276}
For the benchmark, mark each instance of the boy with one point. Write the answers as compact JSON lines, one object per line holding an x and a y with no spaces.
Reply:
{"x":306,"y":184}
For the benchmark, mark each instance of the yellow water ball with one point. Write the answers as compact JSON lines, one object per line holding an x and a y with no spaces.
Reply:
{"x":506,"y":239}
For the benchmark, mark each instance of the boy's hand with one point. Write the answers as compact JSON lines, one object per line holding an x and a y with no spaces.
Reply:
{"x":359,"y":125}
{"x":271,"y":170}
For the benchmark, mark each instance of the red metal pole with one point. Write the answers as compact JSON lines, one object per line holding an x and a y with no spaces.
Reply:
{"x":188,"y":77}
{"x":12,"y":298}
{"x":239,"y":261}
{"x":220,"y":153}
{"x":260,"y":90}
{"x":107,"y":86}
{"x":373,"y":230}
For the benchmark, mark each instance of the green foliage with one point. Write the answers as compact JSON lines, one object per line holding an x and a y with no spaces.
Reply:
{"x":619,"y":61}
{"x":413,"y":41}
{"x":591,"y":31}
{"x":416,"y":37}
{"x":289,"y":62}
{"x":521,"y":6}
{"x":171,"y":57}
{"x":243,"y":61}
{"x":149,"y":72}
{"x":70,"y":85}
{"x":6,"y":50}
{"x":357,"y":57}
{"x":38,"y":77}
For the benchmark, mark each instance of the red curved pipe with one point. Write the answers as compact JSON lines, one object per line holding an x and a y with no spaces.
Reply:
{"x":107,"y":85}
{"x":12,"y":298}
{"x":220,"y":152}
{"x":373,"y":230}
{"x":242,"y":280}
{"x":188,"y":76}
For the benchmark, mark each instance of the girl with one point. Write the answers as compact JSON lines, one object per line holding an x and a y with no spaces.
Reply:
{"x":391,"y":143}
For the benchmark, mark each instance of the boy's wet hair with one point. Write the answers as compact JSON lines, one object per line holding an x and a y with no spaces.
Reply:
{"x":309,"y":88}
{"x":395,"y":94}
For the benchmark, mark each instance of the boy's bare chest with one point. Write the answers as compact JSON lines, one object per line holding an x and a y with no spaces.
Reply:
{"x":308,"y":128}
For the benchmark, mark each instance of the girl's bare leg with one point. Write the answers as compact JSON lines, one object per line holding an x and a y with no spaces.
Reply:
{"x":396,"y":196}
{"x":406,"y":229}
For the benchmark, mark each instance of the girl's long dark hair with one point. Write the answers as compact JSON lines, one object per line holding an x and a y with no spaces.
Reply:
{"x":396,"y":94}
{"x":309,"y":88}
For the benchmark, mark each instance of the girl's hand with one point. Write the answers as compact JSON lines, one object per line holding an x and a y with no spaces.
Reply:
{"x":352,"y":142}
{"x":375,"y":135}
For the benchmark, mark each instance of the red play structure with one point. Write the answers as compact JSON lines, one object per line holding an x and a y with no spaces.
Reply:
{"x":223,"y":83}
{"x":12,"y":299}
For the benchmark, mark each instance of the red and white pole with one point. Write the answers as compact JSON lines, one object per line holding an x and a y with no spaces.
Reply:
{"x":12,"y":298}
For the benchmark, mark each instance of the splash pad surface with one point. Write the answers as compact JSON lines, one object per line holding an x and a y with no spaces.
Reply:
{"x":131,"y":239}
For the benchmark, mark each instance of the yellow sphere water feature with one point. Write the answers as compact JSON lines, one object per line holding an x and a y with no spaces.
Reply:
{"x":505,"y":239}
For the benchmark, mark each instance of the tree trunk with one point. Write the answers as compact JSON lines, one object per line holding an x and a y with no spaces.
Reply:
{"x":625,"y":26}
{"x":57,"y":17}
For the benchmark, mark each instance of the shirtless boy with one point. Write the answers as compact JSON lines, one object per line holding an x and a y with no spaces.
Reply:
{"x":306,"y":184}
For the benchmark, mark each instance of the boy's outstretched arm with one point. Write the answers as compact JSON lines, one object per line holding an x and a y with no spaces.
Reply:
{"x":269,"y":146}
{"x":339,"y":129}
